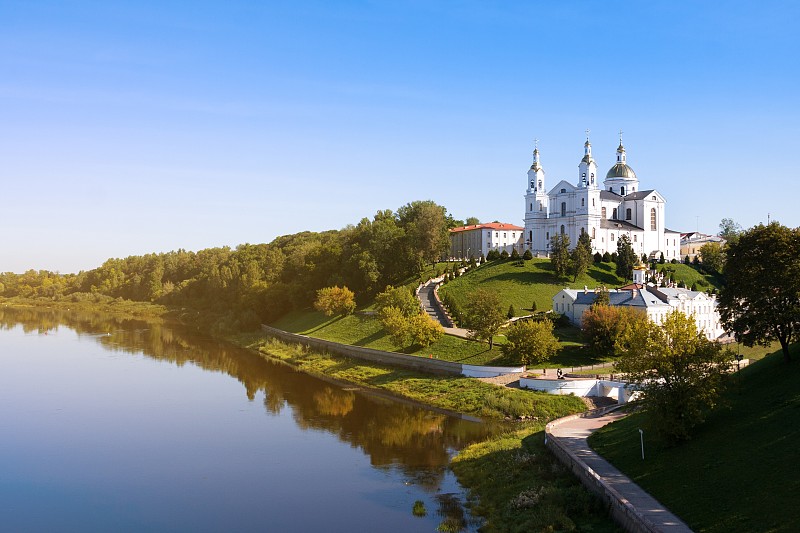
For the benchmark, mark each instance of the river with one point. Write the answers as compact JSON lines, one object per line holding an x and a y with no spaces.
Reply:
{"x":124,"y":425}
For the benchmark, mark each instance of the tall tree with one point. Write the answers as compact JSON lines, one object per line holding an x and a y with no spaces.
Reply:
{"x":626,"y":257}
{"x":426,"y":231}
{"x":559,"y":254}
{"x":472,"y":221}
{"x":581,"y":256}
{"x":729,"y":230}
{"x":483,"y":315}
{"x":335,"y":301}
{"x":712,"y":256}
{"x":678,"y":370}
{"x":760,"y":302}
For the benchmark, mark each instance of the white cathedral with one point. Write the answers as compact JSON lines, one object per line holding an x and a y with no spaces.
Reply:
{"x":619,"y":208}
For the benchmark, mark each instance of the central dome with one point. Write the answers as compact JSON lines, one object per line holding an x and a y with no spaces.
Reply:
{"x":621,"y":170}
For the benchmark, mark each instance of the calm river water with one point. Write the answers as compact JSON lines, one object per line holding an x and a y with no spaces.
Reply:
{"x":112,"y":425}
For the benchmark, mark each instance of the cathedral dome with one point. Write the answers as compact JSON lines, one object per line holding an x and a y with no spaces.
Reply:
{"x":621,"y":170}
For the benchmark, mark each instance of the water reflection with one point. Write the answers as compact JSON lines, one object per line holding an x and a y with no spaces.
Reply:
{"x":394,"y":435}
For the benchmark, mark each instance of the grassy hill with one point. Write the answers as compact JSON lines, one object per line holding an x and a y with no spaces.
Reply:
{"x":740,"y":471}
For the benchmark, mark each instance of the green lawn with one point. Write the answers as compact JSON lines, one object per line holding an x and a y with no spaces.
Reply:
{"x":520,"y":286}
{"x":740,"y":471}
{"x":690,"y":274}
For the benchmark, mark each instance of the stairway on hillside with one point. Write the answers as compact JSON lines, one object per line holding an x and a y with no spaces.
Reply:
{"x":428,"y":301}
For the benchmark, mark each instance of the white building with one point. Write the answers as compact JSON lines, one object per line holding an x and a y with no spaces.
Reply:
{"x":477,"y":239}
{"x":619,"y":207}
{"x":693,"y":241}
{"x":655,"y":302}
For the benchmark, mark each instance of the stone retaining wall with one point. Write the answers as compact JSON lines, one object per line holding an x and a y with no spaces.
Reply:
{"x":620,"y":509}
{"x":422,"y":364}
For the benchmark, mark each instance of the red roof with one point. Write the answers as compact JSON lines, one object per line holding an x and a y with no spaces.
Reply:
{"x":490,"y":225}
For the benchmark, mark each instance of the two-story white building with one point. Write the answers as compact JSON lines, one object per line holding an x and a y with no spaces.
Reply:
{"x":477,"y":239}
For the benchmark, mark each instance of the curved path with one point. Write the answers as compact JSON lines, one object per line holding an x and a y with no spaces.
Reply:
{"x":635,"y":509}
{"x":429,"y":304}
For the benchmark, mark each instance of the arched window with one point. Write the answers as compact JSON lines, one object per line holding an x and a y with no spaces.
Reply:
{"x":531,"y":207}
{"x":592,"y":177}
{"x":628,"y":214}
{"x":612,"y":237}
{"x":530,"y":236}
{"x":593,"y":233}
{"x":581,"y":202}
{"x":540,"y":184}
{"x":653,"y":225}
{"x":532,"y":185}
{"x":562,"y":229}
{"x":622,"y":191}
{"x":592,"y":202}
{"x":563,"y":209}
{"x":614,"y":214}
{"x":603,"y":212}
{"x":540,"y":205}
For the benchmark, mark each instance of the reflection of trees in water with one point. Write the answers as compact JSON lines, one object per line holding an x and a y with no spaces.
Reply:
{"x":416,"y":440}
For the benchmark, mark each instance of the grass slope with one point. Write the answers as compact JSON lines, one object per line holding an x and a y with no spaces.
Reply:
{"x":534,"y":281}
{"x":690,"y":274}
{"x":740,"y":471}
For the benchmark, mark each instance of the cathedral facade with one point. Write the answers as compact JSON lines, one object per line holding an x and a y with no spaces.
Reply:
{"x":618,"y":207}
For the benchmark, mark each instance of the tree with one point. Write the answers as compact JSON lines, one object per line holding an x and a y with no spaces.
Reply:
{"x":729,"y":230}
{"x":581,"y":256}
{"x":606,"y":257}
{"x":760,"y":302}
{"x":424,"y":330}
{"x":335,"y":301}
{"x":533,"y":307}
{"x":472,"y":221}
{"x":530,"y":341}
{"x":426,"y":232}
{"x":483,"y":315}
{"x":400,"y":298}
{"x":712,"y":256}
{"x":511,"y":312}
{"x":559,"y":254}
{"x":602,"y":325}
{"x":661,"y":258}
{"x":396,"y":325}
{"x":678,"y":370}
{"x":527,"y":256}
{"x":626,"y":258}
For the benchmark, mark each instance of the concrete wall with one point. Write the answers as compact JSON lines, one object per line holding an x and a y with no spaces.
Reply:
{"x":617,"y":390}
{"x":620,"y":509}
{"x":475,"y":371}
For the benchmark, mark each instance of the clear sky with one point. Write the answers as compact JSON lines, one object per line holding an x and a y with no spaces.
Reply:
{"x":136,"y":127}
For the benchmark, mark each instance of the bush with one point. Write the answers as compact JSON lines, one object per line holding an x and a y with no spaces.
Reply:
{"x":515,"y":254}
{"x":614,"y":257}
{"x":598,"y":257}
{"x":504,"y":255}
{"x":606,"y":257}
{"x":530,"y":342}
{"x":493,"y":255}
{"x":674,"y":261}
{"x":511,"y":312}
{"x":527,"y":256}
{"x":335,"y":300}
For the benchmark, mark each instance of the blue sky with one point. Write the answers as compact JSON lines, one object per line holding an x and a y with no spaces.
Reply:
{"x":136,"y":127}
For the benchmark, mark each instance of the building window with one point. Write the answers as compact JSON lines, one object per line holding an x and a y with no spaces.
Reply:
{"x":622,"y":191}
{"x":563,"y":209}
{"x":540,"y":206}
{"x":592,"y":202}
{"x":603,"y":212}
{"x":562,"y":229}
{"x":592,"y":177}
{"x":628,"y":214}
{"x":653,"y":219}
{"x":505,"y":235}
{"x":634,"y":238}
{"x":530,"y":236}
{"x":540,"y":184}
{"x":612,"y":237}
{"x":531,"y":207}
{"x":496,"y":234}
{"x":532,"y":185}
{"x":593,"y":233}
{"x":548,"y":235}
{"x":563,"y":190}
{"x":614,"y":214}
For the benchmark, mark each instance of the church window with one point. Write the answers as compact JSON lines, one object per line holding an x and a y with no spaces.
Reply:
{"x":540,"y":184}
{"x":614,"y":214}
{"x":530,"y":236}
{"x":593,"y":233}
{"x":653,"y":219}
{"x":540,"y":206}
{"x":531,"y":208}
{"x":563,"y":190}
{"x":581,"y":202}
{"x":634,"y":238}
{"x":628,"y":214}
{"x":603,"y":212}
{"x":612,"y":237}
{"x":563,"y":209}
{"x":548,"y":235}
{"x":532,"y":185}
{"x":622,"y":191}
{"x":592,"y":202}
{"x":562,"y":229}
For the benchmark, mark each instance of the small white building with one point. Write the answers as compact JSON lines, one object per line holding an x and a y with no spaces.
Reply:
{"x":477,"y":239}
{"x":655,"y":302}
{"x":693,"y":241}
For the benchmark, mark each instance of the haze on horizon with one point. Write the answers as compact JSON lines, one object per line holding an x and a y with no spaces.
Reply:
{"x":129,"y":129}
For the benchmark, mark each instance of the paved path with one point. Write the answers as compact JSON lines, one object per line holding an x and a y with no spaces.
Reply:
{"x":573,"y":433}
{"x":428,"y":301}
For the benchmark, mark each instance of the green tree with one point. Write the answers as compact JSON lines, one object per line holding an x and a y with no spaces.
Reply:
{"x":426,"y":232}
{"x":483,"y":315}
{"x":712,"y":256}
{"x":602,"y":326}
{"x":511,"y":312}
{"x":395,"y":323}
{"x":729,"y":230}
{"x":760,"y":302}
{"x":472,"y":221}
{"x":424,"y":330}
{"x":626,"y":258}
{"x":530,"y":341}
{"x":678,"y":370}
{"x":400,"y":298}
{"x":335,"y":301}
{"x":559,"y":254}
{"x":581,"y":256}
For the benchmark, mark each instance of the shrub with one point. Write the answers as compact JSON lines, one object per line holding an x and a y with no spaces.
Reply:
{"x":606,"y":257}
{"x":511,"y":312}
{"x":504,"y":255}
{"x":335,"y":300}
{"x":515,"y":254}
{"x":527,"y":256}
{"x":614,"y":257}
{"x":598,"y":257}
